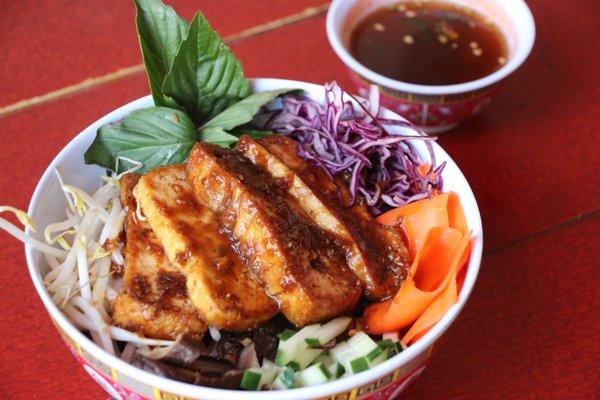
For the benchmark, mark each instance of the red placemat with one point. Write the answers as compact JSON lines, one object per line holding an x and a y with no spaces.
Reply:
{"x":532,"y":157}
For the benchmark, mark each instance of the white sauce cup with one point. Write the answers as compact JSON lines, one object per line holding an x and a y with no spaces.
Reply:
{"x":434,"y":108}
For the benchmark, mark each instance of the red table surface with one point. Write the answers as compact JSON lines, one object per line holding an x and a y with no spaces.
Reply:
{"x":531,"y":327}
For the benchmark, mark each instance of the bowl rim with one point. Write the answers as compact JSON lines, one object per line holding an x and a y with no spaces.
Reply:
{"x":194,"y":391}
{"x":516,"y":9}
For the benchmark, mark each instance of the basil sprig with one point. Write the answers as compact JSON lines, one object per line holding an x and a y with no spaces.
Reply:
{"x":243,"y":111}
{"x":153,"y":136}
{"x":199,"y":91}
{"x":205,"y":77}
{"x":160,"y":32}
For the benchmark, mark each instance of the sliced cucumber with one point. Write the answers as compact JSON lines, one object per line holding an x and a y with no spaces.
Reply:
{"x":251,"y":379}
{"x":288,"y":349}
{"x":294,"y":355}
{"x":268,"y":376}
{"x":335,"y":368}
{"x":328,"y":331}
{"x":256,"y":378}
{"x":374,"y":354}
{"x":324,"y":358}
{"x":358,"y":354}
{"x":343,"y":354}
{"x":305,"y":355}
{"x":386,"y":344}
{"x":294,"y":366}
{"x":397,"y":349}
{"x":359,"y":364}
{"x":313,"y":375}
{"x":285,"y":380}
{"x":362,"y":343}
{"x":384,"y":355}
{"x":269,"y":364}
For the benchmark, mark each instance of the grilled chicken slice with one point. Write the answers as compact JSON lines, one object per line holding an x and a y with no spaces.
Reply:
{"x":153,"y":299}
{"x":219,"y":284}
{"x":298,"y":263}
{"x":376,"y":253}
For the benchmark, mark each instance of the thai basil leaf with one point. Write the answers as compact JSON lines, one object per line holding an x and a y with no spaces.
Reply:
{"x":243,"y":111}
{"x":205,"y":77}
{"x":160,"y":32}
{"x":250,"y":130}
{"x":98,"y":154}
{"x":217,"y":136}
{"x":256,"y":134}
{"x":153,"y":136}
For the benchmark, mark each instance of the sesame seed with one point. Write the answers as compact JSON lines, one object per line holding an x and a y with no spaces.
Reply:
{"x":408,"y":39}
{"x":501,"y":60}
{"x":379,"y":27}
{"x":473,"y":45}
{"x":401,"y":7}
{"x":477,"y":52}
{"x":447,"y":31}
{"x":443,"y":39}
{"x":455,"y":46}
{"x":410,"y":14}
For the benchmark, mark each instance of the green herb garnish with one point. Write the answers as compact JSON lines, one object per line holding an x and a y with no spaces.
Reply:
{"x":205,"y":77}
{"x":153,"y":136}
{"x":243,"y":111}
{"x":160,"y":32}
{"x":199,"y":91}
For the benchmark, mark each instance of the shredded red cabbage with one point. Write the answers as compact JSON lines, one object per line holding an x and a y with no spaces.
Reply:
{"x":380,"y":164}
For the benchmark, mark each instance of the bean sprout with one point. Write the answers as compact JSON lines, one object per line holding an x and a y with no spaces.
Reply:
{"x":78,"y":276}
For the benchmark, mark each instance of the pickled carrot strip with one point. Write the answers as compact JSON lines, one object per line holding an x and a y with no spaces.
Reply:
{"x":422,"y":285}
{"x":456,"y":215}
{"x":416,"y":219}
{"x":437,"y":257}
{"x":395,"y":216}
{"x":438,"y":241}
{"x":433,"y":313}
{"x":449,"y":200}
{"x":423,"y":170}
{"x":377,"y":312}
{"x":446,"y":299}
{"x":418,"y":225}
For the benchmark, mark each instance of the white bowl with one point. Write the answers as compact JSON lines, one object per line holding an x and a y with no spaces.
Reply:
{"x":125,"y":381}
